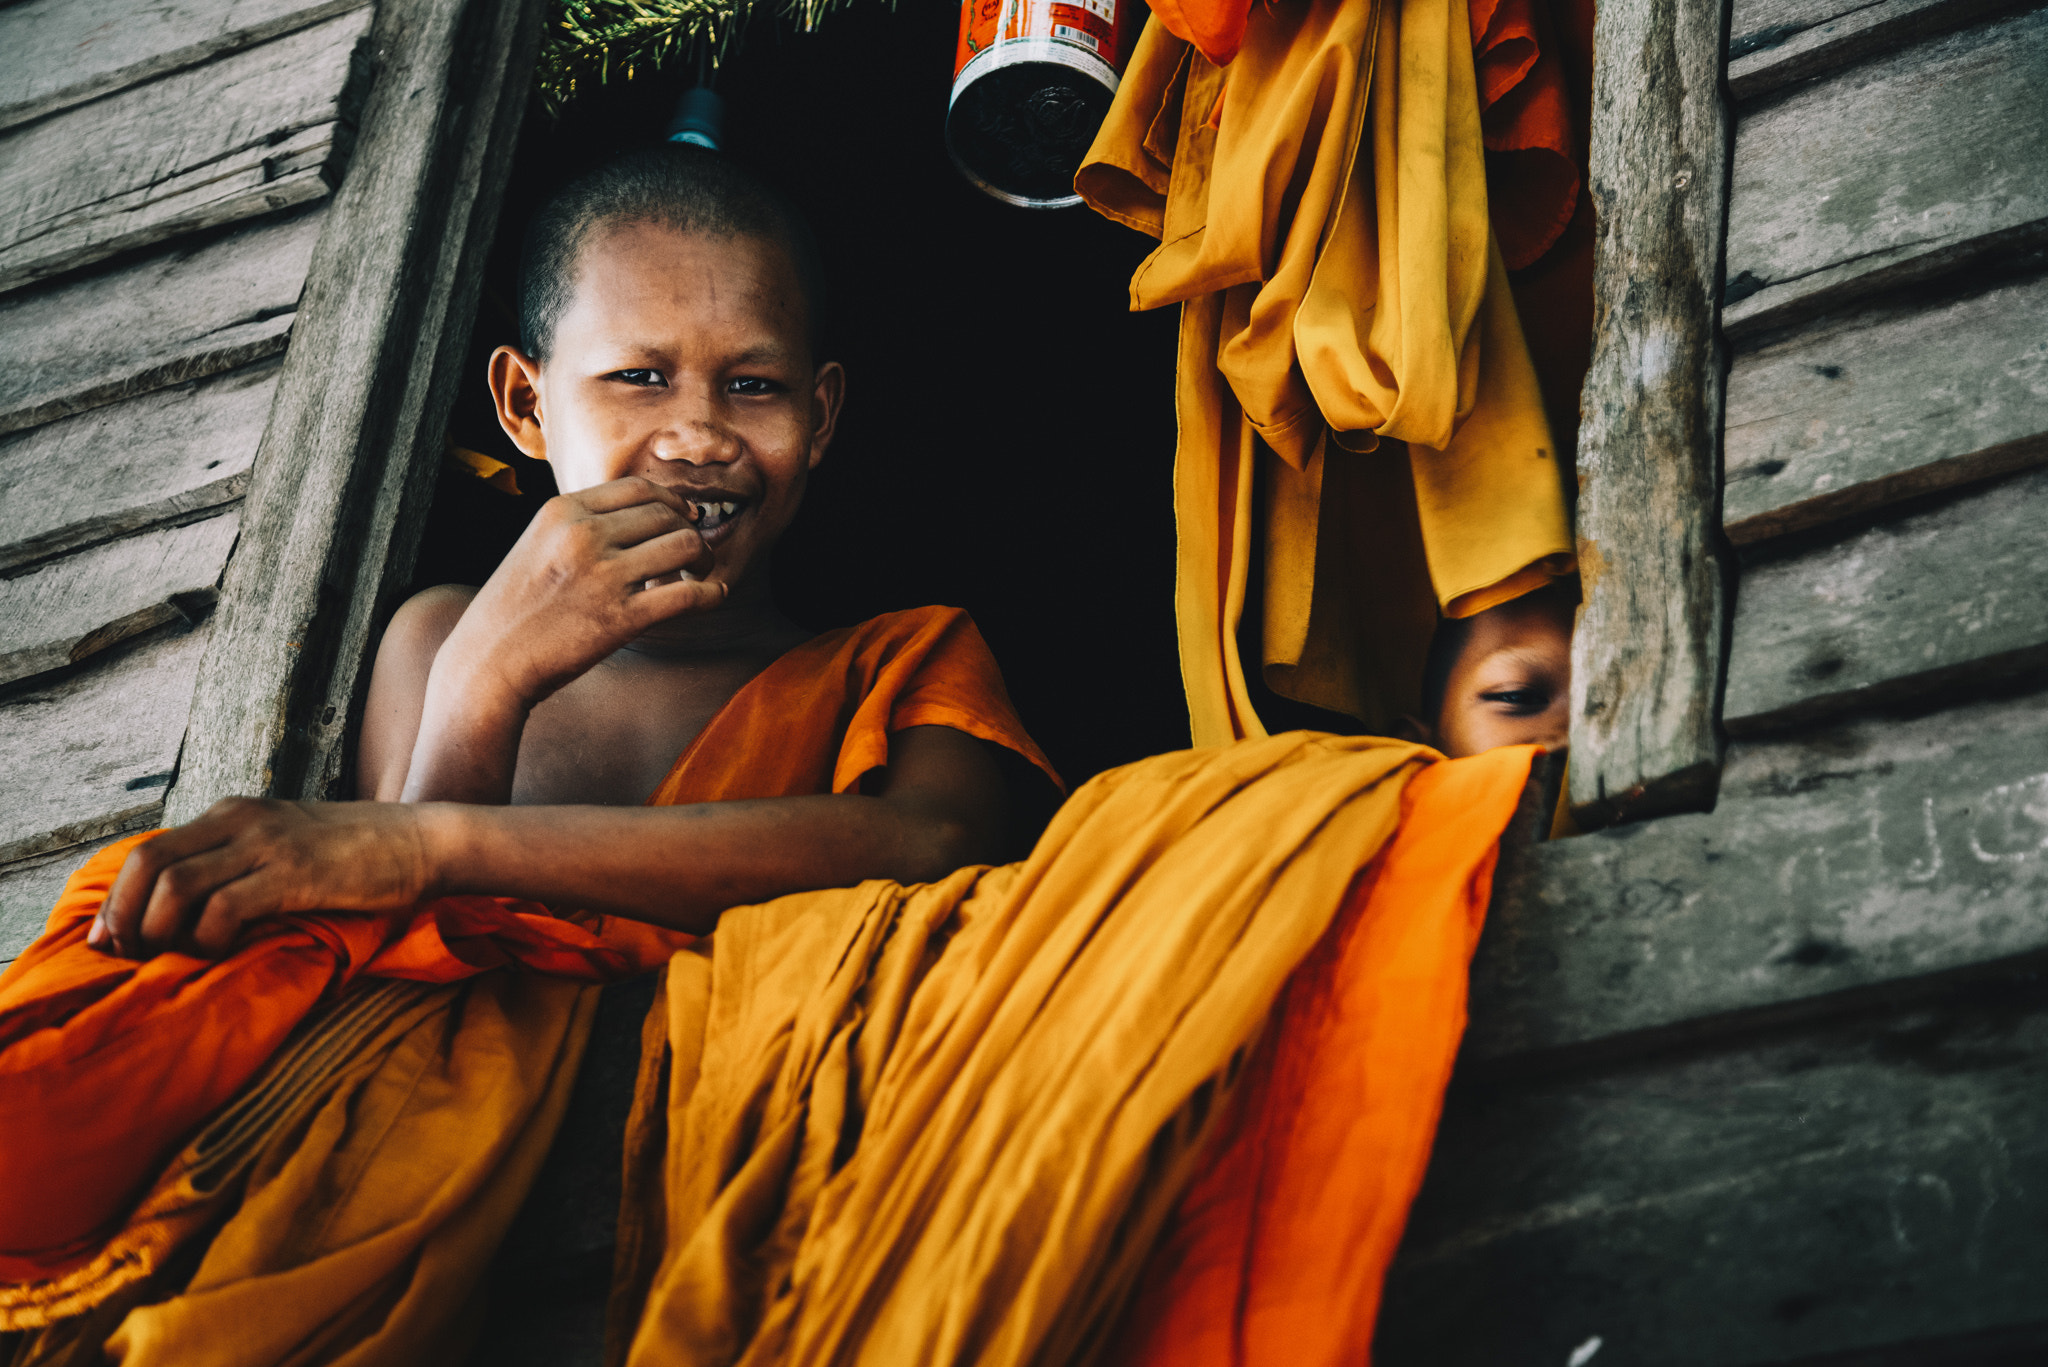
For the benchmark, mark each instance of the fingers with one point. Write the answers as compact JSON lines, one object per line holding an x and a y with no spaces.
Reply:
{"x":659,"y":602}
{"x":682,"y":550}
{"x":641,"y":522}
{"x":632,"y":491}
{"x":119,"y":925}
{"x":187,"y":889}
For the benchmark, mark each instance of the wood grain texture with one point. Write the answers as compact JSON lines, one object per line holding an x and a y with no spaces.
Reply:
{"x":102,"y":746}
{"x":1869,"y":1187}
{"x":182,"y":314}
{"x":122,"y":468}
{"x":1897,"y":170}
{"x":69,"y":609}
{"x":65,"y":52}
{"x":1866,"y":856}
{"x":341,"y":482}
{"x":1772,"y":43}
{"x":1864,"y":410}
{"x":28,"y":889}
{"x":1952,"y":593}
{"x":248,"y":135}
{"x":1646,"y":657}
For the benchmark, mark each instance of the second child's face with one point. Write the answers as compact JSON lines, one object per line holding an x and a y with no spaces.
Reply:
{"x":1511,"y":684}
{"x":684,"y":358}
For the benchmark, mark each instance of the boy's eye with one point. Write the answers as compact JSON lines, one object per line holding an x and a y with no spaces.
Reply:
{"x":1523,"y":702}
{"x":754,"y":385}
{"x":650,"y":379}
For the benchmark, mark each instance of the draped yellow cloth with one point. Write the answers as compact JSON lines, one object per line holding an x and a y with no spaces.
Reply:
{"x":946,"y":1123}
{"x":1322,"y":215}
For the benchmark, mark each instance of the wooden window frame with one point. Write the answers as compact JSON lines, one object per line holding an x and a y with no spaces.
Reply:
{"x":341,"y":482}
{"x":1650,"y":649}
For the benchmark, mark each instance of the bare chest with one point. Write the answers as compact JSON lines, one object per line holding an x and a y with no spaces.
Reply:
{"x":610,"y":737}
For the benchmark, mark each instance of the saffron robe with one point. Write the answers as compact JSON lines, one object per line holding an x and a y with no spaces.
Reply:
{"x":385,"y":1151}
{"x":1321,"y":208}
{"x":947,"y":1123}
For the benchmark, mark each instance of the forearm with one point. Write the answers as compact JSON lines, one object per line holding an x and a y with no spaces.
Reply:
{"x":467,"y":749}
{"x":681,"y":866}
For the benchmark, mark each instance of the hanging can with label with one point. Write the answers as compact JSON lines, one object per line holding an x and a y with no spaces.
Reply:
{"x":1032,"y":80}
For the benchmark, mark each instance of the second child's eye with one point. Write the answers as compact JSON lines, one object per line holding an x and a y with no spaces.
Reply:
{"x":754,"y":386}
{"x":646,"y":379}
{"x":1523,"y":702}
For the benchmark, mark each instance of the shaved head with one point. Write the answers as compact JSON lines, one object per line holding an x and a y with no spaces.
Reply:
{"x":676,"y":186}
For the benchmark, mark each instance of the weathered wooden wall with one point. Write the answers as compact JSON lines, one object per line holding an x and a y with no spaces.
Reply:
{"x":1769,"y":1084}
{"x":209,"y":210}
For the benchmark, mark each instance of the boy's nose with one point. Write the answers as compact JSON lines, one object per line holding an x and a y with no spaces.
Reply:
{"x":696,"y":440}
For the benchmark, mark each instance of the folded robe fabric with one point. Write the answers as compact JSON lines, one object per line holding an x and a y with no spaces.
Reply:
{"x":946,"y":1123}
{"x":1524,"y":111}
{"x":163,"y":1043}
{"x":1276,"y":1255}
{"x":1322,"y":214}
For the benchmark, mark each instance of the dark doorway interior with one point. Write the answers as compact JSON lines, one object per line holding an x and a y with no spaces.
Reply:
{"x":1008,"y":439}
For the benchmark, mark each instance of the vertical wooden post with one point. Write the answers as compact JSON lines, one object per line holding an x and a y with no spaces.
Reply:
{"x":347,"y":462}
{"x":1646,"y":662}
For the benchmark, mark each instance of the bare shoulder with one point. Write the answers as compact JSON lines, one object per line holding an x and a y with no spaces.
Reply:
{"x":423,"y":622}
{"x":398,"y":686}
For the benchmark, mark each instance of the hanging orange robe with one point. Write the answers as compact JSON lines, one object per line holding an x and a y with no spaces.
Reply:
{"x":1321,"y":210}
{"x":107,"y":1065}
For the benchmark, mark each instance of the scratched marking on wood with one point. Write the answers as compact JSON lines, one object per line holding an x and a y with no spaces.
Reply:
{"x":1870,"y":853}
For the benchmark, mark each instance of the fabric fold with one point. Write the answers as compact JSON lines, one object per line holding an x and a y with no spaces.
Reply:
{"x":179,"y":1047}
{"x":946,"y":1123}
{"x":1322,"y":213}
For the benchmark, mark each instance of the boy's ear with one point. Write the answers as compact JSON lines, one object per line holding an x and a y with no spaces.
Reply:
{"x":828,"y":393}
{"x":515,"y":389}
{"x":1410,"y":727}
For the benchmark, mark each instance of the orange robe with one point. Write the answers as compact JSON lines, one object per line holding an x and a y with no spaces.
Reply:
{"x":107,"y":1065}
{"x":1276,"y":1254}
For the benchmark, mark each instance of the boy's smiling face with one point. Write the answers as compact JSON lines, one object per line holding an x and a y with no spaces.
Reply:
{"x":683,"y":358}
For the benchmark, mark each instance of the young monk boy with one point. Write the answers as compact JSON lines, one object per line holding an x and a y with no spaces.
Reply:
{"x":619,"y":725}
{"x":667,"y":372}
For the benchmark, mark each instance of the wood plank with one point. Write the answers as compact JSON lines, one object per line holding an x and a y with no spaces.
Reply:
{"x":1772,"y":43}
{"x":1874,"y":1187}
{"x":239,"y":138}
{"x":1954,"y":592}
{"x":1883,"y":405}
{"x":1897,"y":170}
{"x":71,"y":51}
{"x":1646,"y":657}
{"x":98,"y":749}
{"x":28,"y":889}
{"x":67,"y":610}
{"x":128,"y":466}
{"x":342,"y":481}
{"x":1866,"y":856}
{"x":182,"y":314}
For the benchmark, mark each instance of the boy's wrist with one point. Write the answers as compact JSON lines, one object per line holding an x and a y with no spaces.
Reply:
{"x":446,"y":841}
